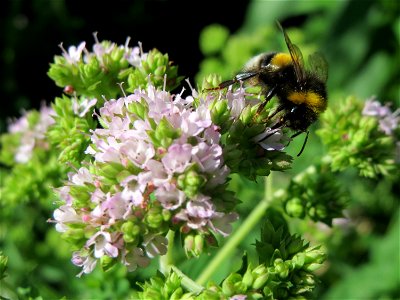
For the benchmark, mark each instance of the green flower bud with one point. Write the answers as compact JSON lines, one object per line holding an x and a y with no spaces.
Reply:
{"x":248,"y":277}
{"x":166,"y":214}
{"x":210,"y":81}
{"x":268,"y":293}
{"x":281,"y":268}
{"x":140,"y":109}
{"x":158,"y":66}
{"x":255,"y":295}
{"x":109,"y":171}
{"x":194,"y":245}
{"x":172,"y":286}
{"x":163,"y":134}
{"x":298,"y":260}
{"x":130,"y":231}
{"x":233,"y":285}
{"x":209,"y":295}
{"x":136,"y":79}
{"x":220,"y":113}
{"x":295,"y":208}
{"x":260,"y":281}
{"x":74,"y":235}
{"x":280,"y":195}
{"x":318,"y":212}
{"x":189,"y":245}
{"x":312,"y":267}
{"x":260,"y":270}
{"x":81,"y":195}
{"x":315,"y":255}
{"x":191,"y":182}
{"x":192,"y":178}
{"x":198,"y":244}
{"x":154,"y":217}
{"x":107,"y":262}
{"x":151,"y":294}
{"x":247,"y":115}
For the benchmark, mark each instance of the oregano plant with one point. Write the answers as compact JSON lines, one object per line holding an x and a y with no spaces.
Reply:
{"x":136,"y":164}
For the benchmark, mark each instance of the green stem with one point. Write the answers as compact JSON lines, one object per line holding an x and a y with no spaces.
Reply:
{"x":167,"y":260}
{"x":187,"y":282}
{"x":242,"y":232}
{"x":166,"y":265}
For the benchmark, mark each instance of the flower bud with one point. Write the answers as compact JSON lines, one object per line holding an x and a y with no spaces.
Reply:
{"x":138,"y":108}
{"x":259,"y":270}
{"x":191,"y":182}
{"x":154,"y":218}
{"x":130,"y":231}
{"x":210,"y":81}
{"x":247,"y":115}
{"x":107,"y":262}
{"x":163,"y":134}
{"x":220,"y":112}
{"x":298,"y":260}
{"x":295,"y":208}
{"x":281,"y":268}
{"x":166,"y":214}
{"x":233,"y":285}
{"x":193,"y":245}
{"x":110,"y":171}
{"x":248,"y":277}
{"x":260,"y":281}
{"x":268,"y":293}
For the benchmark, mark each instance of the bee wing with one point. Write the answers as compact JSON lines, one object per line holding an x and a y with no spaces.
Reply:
{"x":297,"y":56}
{"x":319,"y":66}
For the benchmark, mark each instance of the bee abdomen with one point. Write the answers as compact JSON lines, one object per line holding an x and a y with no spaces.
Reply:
{"x":314,"y":100}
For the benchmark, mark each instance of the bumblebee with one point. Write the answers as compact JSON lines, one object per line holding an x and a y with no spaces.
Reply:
{"x":301,"y":92}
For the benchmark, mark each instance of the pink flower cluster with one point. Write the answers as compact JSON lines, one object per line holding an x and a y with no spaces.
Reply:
{"x":388,"y":120}
{"x":32,"y":135}
{"x":154,"y":150}
{"x":75,"y":54}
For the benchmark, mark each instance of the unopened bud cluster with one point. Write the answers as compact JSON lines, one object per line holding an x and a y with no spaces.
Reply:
{"x":251,"y":147}
{"x":285,"y":273}
{"x":314,"y":193}
{"x":364,"y":136}
{"x":31,"y":161}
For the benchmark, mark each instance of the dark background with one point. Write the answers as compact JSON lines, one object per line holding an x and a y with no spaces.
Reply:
{"x":31,"y":31}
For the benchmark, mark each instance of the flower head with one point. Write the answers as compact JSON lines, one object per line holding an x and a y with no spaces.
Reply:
{"x":388,"y":120}
{"x":158,"y":161}
{"x":32,"y":127}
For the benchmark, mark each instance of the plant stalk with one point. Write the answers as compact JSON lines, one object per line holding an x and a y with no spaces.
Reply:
{"x":167,"y":260}
{"x":244,"y":229}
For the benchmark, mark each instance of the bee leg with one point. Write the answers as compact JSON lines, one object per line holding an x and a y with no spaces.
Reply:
{"x":223,"y":85}
{"x":305,"y":140}
{"x":282,"y":121}
{"x":268,"y":96}
{"x":239,"y":77}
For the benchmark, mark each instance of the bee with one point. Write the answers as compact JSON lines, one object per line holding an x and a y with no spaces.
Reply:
{"x":301,"y":91}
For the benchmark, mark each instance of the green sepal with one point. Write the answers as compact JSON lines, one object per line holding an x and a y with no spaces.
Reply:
{"x":163,"y":134}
